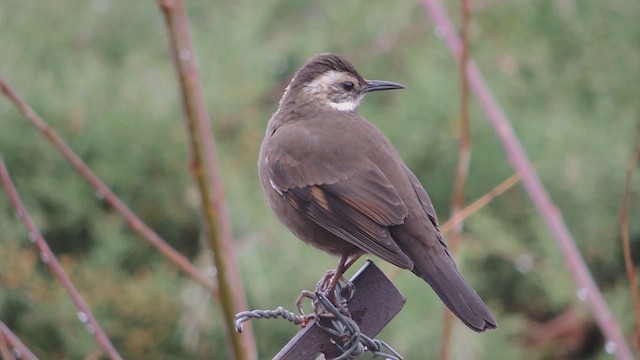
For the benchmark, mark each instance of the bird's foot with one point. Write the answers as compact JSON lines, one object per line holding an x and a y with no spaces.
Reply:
{"x":325,"y":281}
{"x":315,"y":302}
{"x":339,"y":290}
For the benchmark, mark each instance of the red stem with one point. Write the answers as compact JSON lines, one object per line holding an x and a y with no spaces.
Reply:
{"x":204,"y":169}
{"x":8,"y":337}
{"x":532,"y":184}
{"x":50,"y":259}
{"x":462,"y":169}
{"x":134,"y":222}
{"x":626,"y":246}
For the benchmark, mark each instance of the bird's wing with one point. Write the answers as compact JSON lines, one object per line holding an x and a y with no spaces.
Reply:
{"x":428,"y":208}
{"x":425,"y":201}
{"x":356,"y":205}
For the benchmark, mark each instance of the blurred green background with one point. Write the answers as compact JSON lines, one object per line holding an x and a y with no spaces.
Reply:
{"x":566,"y":72}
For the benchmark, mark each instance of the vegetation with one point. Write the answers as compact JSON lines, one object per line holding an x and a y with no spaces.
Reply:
{"x":565,"y":72}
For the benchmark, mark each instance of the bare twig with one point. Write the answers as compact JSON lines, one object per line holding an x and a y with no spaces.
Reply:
{"x":626,"y":246}
{"x":47,"y":256}
{"x":205,"y":172}
{"x":462,"y":169}
{"x":5,"y":352}
{"x":480,"y":202}
{"x":464,"y":144}
{"x":134,"y":222}
{"x":538,"y":195}
{"x":9,"y":338}
{"x":472,"y":209}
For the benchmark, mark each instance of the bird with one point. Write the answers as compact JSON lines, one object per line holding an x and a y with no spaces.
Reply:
{"x":338,"y":183}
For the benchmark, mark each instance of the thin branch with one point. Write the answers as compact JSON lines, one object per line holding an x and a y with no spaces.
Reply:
{"x":464,"y":145}
{"x":626,"y":245}
{"x":132,"y":220}
{"x":49,"y":258}
{"x":5,"y":352}
{"x":462,"y":169}
{"x":480,"y":202}
{"x":532,"y":184}
{"x":473,"y":208}
{"x":205,"y":172}
{"x":9,"y":338}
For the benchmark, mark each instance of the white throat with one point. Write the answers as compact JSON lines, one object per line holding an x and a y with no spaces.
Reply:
{"x":344,"y":106}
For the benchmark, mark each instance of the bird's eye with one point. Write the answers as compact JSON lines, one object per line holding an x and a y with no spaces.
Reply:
{"x":347,"y":85}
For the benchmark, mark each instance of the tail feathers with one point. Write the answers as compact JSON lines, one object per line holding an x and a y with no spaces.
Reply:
{"x":443,"y":276}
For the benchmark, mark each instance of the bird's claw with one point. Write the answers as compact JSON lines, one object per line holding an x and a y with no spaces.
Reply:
{"x":305,"y":294}
{"x":337,"y":296}
{"x":335,"y":292}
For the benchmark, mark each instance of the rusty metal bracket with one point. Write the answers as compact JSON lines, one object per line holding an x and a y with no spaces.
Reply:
{"x":376,"y":301}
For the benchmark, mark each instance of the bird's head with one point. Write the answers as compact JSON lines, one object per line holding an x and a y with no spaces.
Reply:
{"x":329,"y":81}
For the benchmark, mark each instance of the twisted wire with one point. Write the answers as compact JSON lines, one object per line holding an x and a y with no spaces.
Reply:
{"x":336,"y":321}
{"x":348,"y":338}
{"x":280,"y":312}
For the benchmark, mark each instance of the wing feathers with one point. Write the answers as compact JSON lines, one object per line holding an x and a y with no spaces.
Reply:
{"x":356,"y":205}
{"x":455,"y":292}
{"x":329,"y":211}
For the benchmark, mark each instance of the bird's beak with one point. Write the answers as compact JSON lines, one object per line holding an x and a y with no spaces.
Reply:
{"x":376,"y":85}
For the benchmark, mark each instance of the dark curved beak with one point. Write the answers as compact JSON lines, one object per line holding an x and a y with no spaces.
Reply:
{"x":376,"y":85}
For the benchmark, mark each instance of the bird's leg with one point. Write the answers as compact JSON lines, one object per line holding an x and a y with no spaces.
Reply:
{"x":345,"y":263}
{"x":332,"y":278}
{"x":351,"y":261}
{"x":327,"y":285}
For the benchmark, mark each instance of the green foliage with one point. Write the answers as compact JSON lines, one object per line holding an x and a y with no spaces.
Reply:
{"x":565,"y":72}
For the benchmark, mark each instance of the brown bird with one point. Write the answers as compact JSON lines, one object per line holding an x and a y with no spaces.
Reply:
{"x":338,"y":184}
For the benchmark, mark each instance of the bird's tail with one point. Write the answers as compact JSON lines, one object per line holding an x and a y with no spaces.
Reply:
{"x":441,"y":273}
